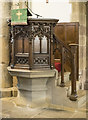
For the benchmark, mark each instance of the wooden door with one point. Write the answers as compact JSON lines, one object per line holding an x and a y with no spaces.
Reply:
{"x":68,"y":33}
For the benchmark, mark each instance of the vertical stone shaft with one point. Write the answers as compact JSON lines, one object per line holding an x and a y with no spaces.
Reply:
{"x":5,"y":78}
{"x":79,"y":15}
{"x":86,"y":82}
{"x":23,"y":4}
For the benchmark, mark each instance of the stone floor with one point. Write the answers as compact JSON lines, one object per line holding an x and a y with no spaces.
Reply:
{"x":10,"y":110}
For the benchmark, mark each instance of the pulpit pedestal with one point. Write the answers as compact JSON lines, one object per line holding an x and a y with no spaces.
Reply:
{"x":32,"y":86}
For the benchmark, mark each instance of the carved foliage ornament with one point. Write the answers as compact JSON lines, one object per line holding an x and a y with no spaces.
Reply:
{"x":40,"y":30}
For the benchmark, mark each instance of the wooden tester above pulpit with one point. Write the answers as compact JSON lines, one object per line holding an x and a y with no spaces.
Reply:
{"x":32,"y":44}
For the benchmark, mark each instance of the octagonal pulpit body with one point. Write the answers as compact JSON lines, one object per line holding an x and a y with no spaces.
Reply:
{"x":32,"y":44}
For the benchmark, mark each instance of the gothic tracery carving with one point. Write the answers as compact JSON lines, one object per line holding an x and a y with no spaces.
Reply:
{"x":25,"y":43}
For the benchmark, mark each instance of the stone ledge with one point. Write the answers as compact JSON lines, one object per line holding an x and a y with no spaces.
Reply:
{"x":66,"y":77}
{"x":37,"y":73}
{"x":62,"y":100}
{"x":8,"y":92}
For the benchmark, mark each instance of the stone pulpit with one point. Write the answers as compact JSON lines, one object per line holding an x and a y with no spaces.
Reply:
{"x":32,"y":59}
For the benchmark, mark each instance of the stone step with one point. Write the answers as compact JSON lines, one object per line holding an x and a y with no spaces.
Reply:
{"x":66,"y":77}
{"x":67,"y":83}
{"x":81,"y":97}
{"x":80,"y":100}
{"x":68,"y":86}
{"x":60,"y":98}
{"x":60,"y":95}
{"x":8,"y":92}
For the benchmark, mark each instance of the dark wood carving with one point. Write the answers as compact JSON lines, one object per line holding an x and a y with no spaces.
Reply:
{"x":68,"y":33}
{"x":32,"y":44}
{"x":70,"y":53}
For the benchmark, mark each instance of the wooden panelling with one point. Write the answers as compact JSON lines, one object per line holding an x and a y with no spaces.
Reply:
{"x":26,"y":45}
{"x":68,"y":33}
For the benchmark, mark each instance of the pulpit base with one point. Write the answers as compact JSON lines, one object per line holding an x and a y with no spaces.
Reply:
{"x":32,"y":86}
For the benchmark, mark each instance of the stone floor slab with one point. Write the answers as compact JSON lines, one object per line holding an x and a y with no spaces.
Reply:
{"x":10,"y":110}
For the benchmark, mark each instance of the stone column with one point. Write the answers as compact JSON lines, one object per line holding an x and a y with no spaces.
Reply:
{"x":30,"y":4}
{"x":23,"y":4}
{"x":86,"y":82}
{"x":79,"y":15}
{"x":75,"y":12}
{"x":5,"y":78}
{"x":15,"y":5}
{"x":82,"y":41}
